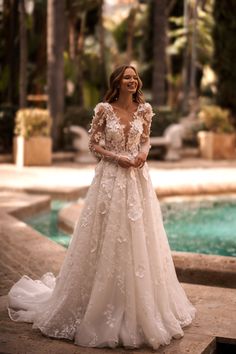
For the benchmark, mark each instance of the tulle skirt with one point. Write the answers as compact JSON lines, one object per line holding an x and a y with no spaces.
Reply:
{"x":117,"y":284}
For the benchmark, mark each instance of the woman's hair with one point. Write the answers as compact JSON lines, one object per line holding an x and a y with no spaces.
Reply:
{"x":113,"y":92}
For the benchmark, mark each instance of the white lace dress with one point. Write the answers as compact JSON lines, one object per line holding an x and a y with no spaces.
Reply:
{"x":117,"y":285}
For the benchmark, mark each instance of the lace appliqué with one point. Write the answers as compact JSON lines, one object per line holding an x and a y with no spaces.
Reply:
{"x":107,"y":128}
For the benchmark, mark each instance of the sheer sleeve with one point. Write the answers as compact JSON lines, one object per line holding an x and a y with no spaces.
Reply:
{"x":147,"y":120}
{"x":96,"y":131}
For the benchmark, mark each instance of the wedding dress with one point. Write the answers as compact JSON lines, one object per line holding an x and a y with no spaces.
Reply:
{"x":117,"y":285}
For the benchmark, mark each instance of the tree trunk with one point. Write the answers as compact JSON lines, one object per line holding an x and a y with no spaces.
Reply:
{"x":23,"y":56}
{"x":102,"y":51}
{"x":185,"y":70}
{"x":190,"y":58}
{"x":224,"y":62}
{"x":159,"y":53}
{"x":193,"y":90}
{"x":130,"y":35}
{"x":169,"y":66}
{"x":80,"y":52}
{"x":10,"y":25}
{"x":72,"y":34}
{"x":55,"y":73}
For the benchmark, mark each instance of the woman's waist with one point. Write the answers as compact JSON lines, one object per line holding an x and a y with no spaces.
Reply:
{"x":124,"y":152}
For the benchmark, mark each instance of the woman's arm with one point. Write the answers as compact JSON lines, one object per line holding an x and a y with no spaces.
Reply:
{"x":97,"y":134}
{"x":145,"y":137}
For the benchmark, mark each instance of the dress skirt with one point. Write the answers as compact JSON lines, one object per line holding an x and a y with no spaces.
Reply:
{"x":117,"y":284}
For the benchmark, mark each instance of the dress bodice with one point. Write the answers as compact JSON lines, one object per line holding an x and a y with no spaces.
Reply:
{"x":108,"y":129}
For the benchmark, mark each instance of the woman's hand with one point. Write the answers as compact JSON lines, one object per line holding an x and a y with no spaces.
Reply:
{"x":125,"y":162}
{"x":140,"y":159}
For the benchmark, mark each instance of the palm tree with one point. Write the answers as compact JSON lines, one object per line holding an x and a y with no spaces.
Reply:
{"x":159,"y":53}
{"x":77,"y":18}
{"x":224,"y":54}
{"x":55,"y":73}
{"x":101,"y":39}
{"x":130,"y":34}
{"x":23,"y":55}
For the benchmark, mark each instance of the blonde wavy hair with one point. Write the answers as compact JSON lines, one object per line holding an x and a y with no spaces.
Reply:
{"x":115,"y":78}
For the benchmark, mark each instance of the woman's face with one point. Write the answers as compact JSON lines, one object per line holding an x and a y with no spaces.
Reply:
{"x":129,"y":81}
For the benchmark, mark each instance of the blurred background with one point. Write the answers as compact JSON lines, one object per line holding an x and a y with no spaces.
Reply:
{"x":56,"y":57}
{"x":59,"y":55}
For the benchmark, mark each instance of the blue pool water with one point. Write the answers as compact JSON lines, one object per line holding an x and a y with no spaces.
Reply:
{"x":209,"y":229}
{"x":47,"y":224}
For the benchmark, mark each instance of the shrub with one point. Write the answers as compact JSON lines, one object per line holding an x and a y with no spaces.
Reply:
{"x":32,"y":122}
{"x":215,"y":119}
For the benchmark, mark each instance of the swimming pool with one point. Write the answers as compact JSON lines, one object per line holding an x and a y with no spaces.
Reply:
{"x":207,"y":227}
{"x":203,"y":227}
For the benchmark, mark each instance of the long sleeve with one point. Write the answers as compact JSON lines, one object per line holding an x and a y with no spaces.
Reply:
{"x":96,"y":131}
{"x":147,"y":120}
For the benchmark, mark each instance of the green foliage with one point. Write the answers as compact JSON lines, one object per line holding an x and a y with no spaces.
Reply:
{"x":139,"y":19}
{"x":225,"y":53}
{"x":70,"y":68}
{"x":32,"y":122}
{"x":120,"y":34}
{"x":179,"y":36}
{"x":215,"y":119}
{"x":91,"y":94}
{"x":75,"y":115}
{"x":204,"y":35}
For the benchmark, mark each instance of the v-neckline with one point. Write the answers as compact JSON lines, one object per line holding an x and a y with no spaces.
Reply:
{"x":125,"y":126}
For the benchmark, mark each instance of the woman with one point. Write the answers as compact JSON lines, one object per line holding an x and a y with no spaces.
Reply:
{"x":117,"y":285}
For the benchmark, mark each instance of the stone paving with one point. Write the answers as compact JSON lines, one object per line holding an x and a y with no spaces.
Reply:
{"x":25,"y":251}
{"x":70,"y":180}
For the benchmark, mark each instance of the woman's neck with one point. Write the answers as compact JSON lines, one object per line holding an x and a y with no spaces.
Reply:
{"x":125,"y":101}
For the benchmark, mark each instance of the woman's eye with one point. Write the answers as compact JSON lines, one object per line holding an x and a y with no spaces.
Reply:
{"x":129,"y":77}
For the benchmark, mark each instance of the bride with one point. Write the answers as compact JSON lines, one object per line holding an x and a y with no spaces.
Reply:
{"x":117,"y":284}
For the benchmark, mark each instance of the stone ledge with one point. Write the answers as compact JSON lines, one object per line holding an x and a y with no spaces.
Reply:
{"x":68,"y":216}
{"x":23,"y":205}
{"x":205,"y":269}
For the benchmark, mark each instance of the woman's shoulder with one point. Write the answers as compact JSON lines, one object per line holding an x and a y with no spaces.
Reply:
{"x":101,"y":107}
{"x":146,"y":108}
